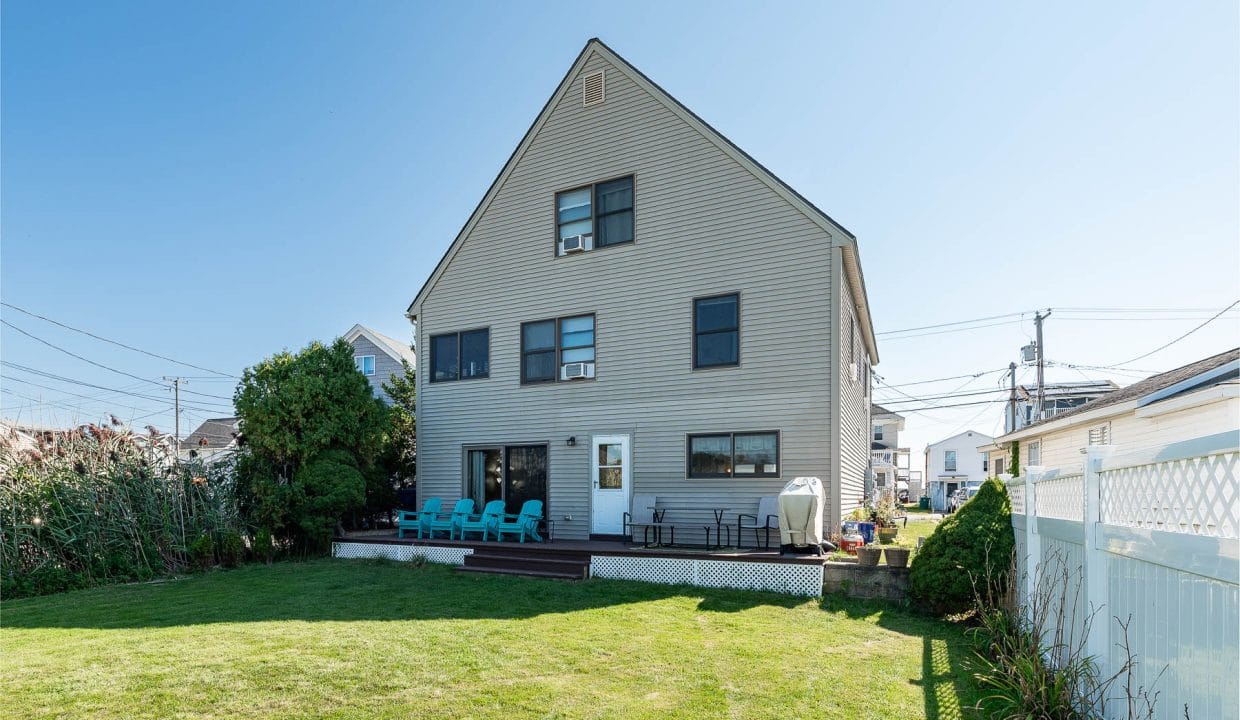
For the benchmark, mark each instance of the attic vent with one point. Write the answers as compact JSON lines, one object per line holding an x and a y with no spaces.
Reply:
{"x":1100,"y":434}
{"x":593,"y":89}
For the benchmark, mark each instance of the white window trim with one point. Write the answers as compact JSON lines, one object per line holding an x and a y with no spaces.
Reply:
{"x":360,"y":361}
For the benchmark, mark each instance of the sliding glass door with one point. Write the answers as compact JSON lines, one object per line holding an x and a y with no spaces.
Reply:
{"x":512,"y":473}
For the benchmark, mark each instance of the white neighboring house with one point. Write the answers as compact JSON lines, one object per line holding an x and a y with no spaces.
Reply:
{"x":214,"y":438}
{"x":1198,"y":400}
{"x":1057,"y":398}
{"x":953,"y":463}
{"x":888,"y":461}
{"x":379,"y":357}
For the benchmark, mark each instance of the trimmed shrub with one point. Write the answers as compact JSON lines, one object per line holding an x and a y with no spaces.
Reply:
{"x":231,"y":549}
{"x":202,"y":551}
{"x":971,"y":548}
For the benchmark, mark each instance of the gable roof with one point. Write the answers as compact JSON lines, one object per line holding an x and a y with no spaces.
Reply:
{"x":839,"y":234}
{"x":216,"y":432}
{"x":876,"y":409}
{"x":1187,"y":377}
{"x":982,"y":438}
{"x":394,"y":348}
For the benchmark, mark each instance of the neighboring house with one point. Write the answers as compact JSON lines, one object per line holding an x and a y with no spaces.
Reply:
{"x":213,"y":438}
{"x":953,"y":463}
{"x":637,"y":306}
{"x":889,"y":461}
{"x":1197,"y":400}
{"x":1058,"y":398}
{"x":379,"y":357}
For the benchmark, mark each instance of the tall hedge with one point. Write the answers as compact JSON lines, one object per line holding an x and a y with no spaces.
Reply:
{"x":974,"y":545}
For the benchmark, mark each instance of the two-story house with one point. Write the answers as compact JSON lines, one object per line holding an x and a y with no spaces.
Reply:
{"x":636,"y":305}
{"x":379,"y":357}
{"x":888,"y":461}
{"x":953,"y":463}
{"x":1056,"y":398}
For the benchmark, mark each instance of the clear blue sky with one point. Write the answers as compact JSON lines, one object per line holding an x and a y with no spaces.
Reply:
{"x":217,"y":181}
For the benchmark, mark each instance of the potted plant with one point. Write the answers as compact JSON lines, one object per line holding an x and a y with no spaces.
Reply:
{"x":885,"y":512}
{"x":868,"y":555}
{"x":897,"y":557}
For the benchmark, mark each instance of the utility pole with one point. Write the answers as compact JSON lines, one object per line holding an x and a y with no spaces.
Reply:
{"x":1012,"y":401}
{"x":176,"y":422}
{"x":1038,"y":317}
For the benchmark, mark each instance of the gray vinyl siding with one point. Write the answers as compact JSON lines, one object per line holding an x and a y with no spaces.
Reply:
{"x":855,"y":427}
{"x":704,"y":225}
{"x":385,"y":366}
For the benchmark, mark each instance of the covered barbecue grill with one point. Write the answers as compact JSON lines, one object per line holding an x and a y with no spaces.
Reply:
{"x":800,"y":515}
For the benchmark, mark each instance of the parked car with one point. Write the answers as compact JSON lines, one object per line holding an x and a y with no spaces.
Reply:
{"x":960,"y":497}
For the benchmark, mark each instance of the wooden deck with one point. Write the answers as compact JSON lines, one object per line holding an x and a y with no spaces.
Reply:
{"x":585,"y":548}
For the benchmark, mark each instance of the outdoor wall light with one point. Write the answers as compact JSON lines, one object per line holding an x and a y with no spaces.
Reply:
{"x":572,"y":441}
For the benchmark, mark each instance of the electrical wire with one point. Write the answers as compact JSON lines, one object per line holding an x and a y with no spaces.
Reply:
{"x":114,"y":342}
{"x":60,"y":378}
{"x":1173,"y":342}
{"x":8,"y":324}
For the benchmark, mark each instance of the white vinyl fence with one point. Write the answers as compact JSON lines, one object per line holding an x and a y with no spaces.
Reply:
{"x":1151,"y":539}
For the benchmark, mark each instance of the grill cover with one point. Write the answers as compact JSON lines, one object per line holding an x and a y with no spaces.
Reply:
{"x":800,"y":512}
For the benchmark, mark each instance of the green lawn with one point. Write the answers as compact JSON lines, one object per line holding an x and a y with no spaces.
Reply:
{"x":360,"y":639}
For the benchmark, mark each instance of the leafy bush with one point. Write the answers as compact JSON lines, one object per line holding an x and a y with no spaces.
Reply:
{"x":312,"y":429}
{"x":264,"y":546}
{"x":974,"y":545}
{"x":202,"y":551}
{"x":231,"y":549}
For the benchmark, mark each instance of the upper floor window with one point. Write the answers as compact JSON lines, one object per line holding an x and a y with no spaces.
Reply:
{"x":600,"y":215}
{"x":878,"y":432}
{"x":725,"y":455}
{"x":985,"y":463}
{"x":716,"y":331}
{"x":1034,"y":453}
{"x":561,"y":349}
{"x":365,"y":364}
{"x":999,"y":466}
{"x":461,"y":355}
{"x":949,"y":461}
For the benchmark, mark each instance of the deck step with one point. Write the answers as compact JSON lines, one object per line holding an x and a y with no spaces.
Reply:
{"x":574,"y":567}
{"x":520,"y":571}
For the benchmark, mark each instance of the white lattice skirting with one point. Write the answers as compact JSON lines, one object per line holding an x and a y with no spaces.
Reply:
{"x":403,"y":553}
{"x":791,"y":579}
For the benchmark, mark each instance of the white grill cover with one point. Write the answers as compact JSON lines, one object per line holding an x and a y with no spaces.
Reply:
{"x":800,"y":512}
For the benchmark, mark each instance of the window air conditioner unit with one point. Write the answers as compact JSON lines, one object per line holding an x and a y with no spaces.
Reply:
{"x":575,"y":244}
{"x":577,"y":371}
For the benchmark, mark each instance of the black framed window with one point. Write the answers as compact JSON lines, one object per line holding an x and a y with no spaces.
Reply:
{"x":547,"y":345}
{"x":716,"y":331}
{"x":603,"y":211}
{"x":461,"y":355}
{"x":538,"y":351}
{"x":733,"y":455}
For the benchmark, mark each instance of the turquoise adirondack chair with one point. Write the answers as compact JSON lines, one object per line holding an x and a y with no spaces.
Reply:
{"x":523,"y":524}
{"x":484,"y":523}
{"x":420,"y":521}
{"x":452,"y":521}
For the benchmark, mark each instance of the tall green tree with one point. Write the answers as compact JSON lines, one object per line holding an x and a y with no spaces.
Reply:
{"x":312,"y":431}
{"x":403,"y":423}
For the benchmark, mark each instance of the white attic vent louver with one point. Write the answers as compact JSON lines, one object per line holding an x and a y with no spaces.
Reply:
{"x":594,"y":88}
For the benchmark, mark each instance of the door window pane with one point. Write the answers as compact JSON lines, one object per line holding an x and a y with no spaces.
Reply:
{"x":444,"y":358}
{"x":710,"y":455}
{"x":475,"y":354}
{"x":610,"y":454}
{"x":527,"y":477}
{"x":611,"y":478}
{"x":485,"y":476}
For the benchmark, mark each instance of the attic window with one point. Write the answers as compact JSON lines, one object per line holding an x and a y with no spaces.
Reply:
{"x":593,"y":89}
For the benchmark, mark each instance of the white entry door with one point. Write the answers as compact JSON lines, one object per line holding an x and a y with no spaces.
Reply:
{"x":612,"y":476}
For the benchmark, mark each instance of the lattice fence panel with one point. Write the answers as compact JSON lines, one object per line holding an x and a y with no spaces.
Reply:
{"x":1062,"y":497}
{"x":788,"y":578}
{"x":1016,"y":493}
{"x":402,"y":553}
{"x":1196,"y":496}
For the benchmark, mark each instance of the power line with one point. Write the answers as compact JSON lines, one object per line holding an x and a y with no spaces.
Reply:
{"x":942,"y":379}
{"x":122,"y":391}
{"x":952,"y":324}
{"x":114,"y":342}
{"x":70,"y":353}
{"x":1167,"y":345}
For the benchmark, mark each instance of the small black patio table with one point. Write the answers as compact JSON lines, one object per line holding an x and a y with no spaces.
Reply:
{"x":660,"y":511}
